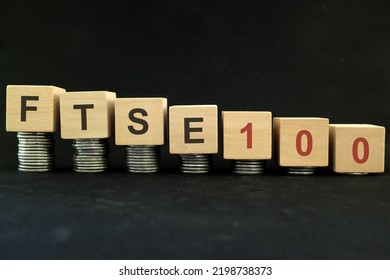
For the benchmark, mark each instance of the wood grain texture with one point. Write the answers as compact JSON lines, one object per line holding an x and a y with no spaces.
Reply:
{"x":45,"y":118}
{"x":100,"y":119}
{"x":156,"y":116}
{"x":342,"y":140}
{"x":235,"y":143}
{"x":285,"y":138}
{"x":208,"y":127}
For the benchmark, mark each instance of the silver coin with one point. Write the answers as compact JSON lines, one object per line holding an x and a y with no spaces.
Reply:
{"x":91,"y":167}
{"x":34,"y":167}
{"x":41,"y":161}
{"x":35,"y":170}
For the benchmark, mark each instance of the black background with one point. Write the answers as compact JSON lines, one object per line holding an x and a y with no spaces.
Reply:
{"x":294,"y":58}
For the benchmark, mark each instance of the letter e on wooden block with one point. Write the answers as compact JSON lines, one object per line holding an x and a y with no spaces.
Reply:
{"x":33,"y":108}
{"x":357,"y":148}
{"x":247,"y":135}
{"x":140,"y":121}
{"x":87,"y":114}
{"x":301,"y":142}
{"x":193,"y":129}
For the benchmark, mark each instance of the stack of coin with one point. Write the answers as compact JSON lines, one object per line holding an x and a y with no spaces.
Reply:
{"x":195,"y":163}
{"x":305,"y":170}
{"x":36,"y":151}
{"x":143,"y":159}
{"x":248,"y":167}
{"x":90,"y":155}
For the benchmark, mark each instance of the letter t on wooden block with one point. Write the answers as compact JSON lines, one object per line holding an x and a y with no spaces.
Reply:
{"x":301,"y":144}
{"x":140,"y":126}
{"x":88,"y":118}
{"x":193,"y":135}
{"x":33,"y":112}
{"x":357,"y":148}
{"x":247,"y":139}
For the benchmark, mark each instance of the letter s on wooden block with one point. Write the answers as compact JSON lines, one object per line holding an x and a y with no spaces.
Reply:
{"x":247,"y":135}
{"x":193,"y":129}
{"x":33,"y":108}
{"x":301,"y":142}
{"x":87,"y":114}
{"x":357,"y":148}
{"x":140,"y":121}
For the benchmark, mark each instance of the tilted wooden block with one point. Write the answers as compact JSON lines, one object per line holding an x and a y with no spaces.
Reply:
{"x":140,"y":121}
{"x":358,"y":148}
{"x":33,"y":108}
{"x":87,"y":114}
{"x":301,"y":142}
{"x":193,"y":129}
{"x":247,"y":135}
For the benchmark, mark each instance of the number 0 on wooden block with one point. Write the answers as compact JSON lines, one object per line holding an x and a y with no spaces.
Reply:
{"x":247,"y":135}
{"x":301,"y":142}
{"x":357,"y":148}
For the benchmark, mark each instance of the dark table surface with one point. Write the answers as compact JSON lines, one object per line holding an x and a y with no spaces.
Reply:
{"x":116,"y":215}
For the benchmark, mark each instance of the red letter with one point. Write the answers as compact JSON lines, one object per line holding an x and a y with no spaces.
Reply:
{"x":298,"y":143}
{"x":248,"y":129}
{"x":355,"y":148}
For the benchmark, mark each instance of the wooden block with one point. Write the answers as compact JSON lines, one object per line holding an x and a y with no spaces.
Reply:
{"x":301,"y":142}
{"x":87,"y":114}
{"x":140,"y":121}
{"x":247,"y":135}
{"x":193,"y":129}
{"x":357,"y":148}
{"x":33,"y":108}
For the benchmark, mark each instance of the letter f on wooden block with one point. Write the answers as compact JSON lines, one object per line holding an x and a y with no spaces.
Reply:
{"x":140,"y":121}
{"x":88,"y":114}
{"x":301,"y":142}
{"x":357,"y":148}
{"x":193,"y":129}
{"x":33,"y":108}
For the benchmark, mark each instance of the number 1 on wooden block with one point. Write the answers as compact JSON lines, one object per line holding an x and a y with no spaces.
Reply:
{"x":248,"y":130}
{"x":247,"y":135}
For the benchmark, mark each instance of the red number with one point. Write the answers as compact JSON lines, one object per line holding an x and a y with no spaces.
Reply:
{"x":248,"y":130}
{"x":298,"y":143}
{"x":355,"y":150}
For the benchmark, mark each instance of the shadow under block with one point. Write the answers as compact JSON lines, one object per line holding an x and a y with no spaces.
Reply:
{"x":301,"y":142}
{"x":88,"y":114}
{"x":247,"y":135}
{"x":358,"y":148}
{"x":193,"y":129}
{"x":140,"y":121}
{"x":32,"y":108}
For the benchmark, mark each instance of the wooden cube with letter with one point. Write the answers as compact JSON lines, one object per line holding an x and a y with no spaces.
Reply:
{"x":33,"y":112}
{"x":301,"y":144}
{"x":140,"y":126}
{"x":87,"y":114}
{"x":193,"y":135}
{"x":88,"y":118}
{"x":140,"y":121}
{"x":357,"y":148}
{"x":33,"y":108}
{"x":247,"y":140}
